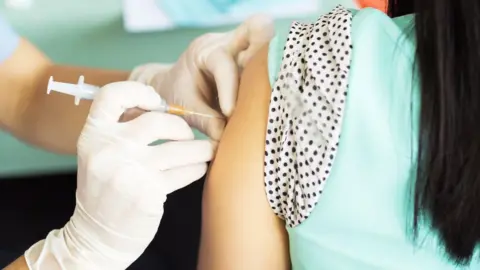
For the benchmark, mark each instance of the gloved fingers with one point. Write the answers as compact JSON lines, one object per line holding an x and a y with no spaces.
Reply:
{"x":181,"y":177}
{"x":225,"y":72}
{"x":156,"y":188}
{"x":134,"y":200}
{"x":250,"y":36}
{"x":239,"y":39}
{"x":152,"y":126}
{"x":131,"y":114}
{"x":153,"y":196}
{"x":145,"y":73}
{"x":211,"y":126}
{"x":245,"y":56}
{"x":247,"y":39}
{"x":170,"y":155}
{"x":114,"y":98}
{"x":122,"y":190}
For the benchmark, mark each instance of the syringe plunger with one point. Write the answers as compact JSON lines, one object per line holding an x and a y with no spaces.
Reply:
{"x":79,"y":90}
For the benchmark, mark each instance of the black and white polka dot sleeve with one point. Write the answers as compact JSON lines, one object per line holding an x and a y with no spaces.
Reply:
{"x":306,"y":111}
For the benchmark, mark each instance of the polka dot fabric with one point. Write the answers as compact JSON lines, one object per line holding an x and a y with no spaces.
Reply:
{"x":306,"y":111}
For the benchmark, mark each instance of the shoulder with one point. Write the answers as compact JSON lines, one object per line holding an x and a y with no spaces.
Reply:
{"x":370,"y":29}
{"x":374,"y":31}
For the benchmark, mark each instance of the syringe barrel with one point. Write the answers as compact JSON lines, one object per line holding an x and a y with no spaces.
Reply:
{"x":79,"y":91}
{"x":62,"y":87}
{"x":88,"y":91}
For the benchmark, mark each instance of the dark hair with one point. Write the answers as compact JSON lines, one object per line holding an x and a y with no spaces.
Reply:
{"x":447,"y":187}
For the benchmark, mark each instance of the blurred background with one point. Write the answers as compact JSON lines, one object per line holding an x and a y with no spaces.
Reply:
{"x":37,"y":189}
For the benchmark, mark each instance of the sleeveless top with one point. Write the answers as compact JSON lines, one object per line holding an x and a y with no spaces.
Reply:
{"x":342,"y":137}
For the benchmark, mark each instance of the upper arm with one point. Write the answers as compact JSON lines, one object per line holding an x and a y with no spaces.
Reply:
{"x":18,"y":264}
{"x":239,"y":229}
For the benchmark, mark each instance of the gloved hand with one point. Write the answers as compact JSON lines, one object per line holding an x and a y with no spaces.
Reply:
{"x":122,"y":182}
{"x":206,"y":77}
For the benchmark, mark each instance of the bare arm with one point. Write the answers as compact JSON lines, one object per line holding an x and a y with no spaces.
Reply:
{"x":18,"y":264}
{"x":52,"y":122}
{"x":239,"y":229}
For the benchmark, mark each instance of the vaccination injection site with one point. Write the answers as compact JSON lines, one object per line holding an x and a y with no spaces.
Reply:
{"x":239,"y":135}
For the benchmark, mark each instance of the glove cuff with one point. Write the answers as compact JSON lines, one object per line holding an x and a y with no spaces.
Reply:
{"x":55,"y":253}
{"x":145,"y":73}
{"x":80,"y":245}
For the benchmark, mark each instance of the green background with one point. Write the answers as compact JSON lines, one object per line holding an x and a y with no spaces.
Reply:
{"x":89,"y":33}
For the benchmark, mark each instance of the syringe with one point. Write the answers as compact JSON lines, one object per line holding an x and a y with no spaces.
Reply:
{"x":81,"y":90}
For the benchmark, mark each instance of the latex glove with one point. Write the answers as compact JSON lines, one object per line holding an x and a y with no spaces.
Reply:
{"x":205,"y":78}
{"x":122,"y":182}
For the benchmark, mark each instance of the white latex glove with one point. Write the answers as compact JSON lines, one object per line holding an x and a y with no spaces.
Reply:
{"x":122,"y":182}
{"x":205,"y":79}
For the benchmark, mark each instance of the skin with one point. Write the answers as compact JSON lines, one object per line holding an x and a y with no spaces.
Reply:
{"x":19,"y":264}
{"x":51,"y":122}
{"x":239,"y":229}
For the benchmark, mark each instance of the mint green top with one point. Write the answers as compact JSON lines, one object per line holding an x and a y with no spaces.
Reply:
{"x":363,"y":218}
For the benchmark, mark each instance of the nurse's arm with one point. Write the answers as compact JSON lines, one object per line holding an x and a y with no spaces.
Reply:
{"x":19,"y":264}
{"x":52,"y":122}
{"x":239,"y":229}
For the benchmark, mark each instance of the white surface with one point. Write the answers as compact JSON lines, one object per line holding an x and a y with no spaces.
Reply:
{"x":146,"y":16}
{"x":18,"y":4}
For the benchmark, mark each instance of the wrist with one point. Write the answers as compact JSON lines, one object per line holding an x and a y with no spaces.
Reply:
{"x":55,"y":252}
{"x":83,"y":244}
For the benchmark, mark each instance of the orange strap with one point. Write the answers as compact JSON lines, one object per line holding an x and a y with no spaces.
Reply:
{"x":378,"y":4}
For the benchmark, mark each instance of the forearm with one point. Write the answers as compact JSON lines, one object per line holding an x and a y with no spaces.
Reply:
{"x":52,"y":122}
{"x":18,"y":264}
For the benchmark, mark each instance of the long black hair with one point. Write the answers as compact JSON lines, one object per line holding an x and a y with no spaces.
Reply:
{"x":447,"y":187}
